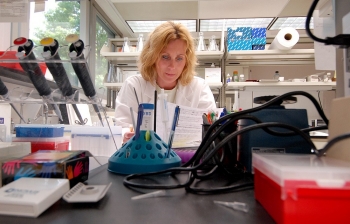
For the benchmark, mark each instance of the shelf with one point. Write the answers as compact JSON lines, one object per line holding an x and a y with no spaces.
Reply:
{"x":130,"y":58}
{"x":118,"y":85}
{"x":286,"y":86}
{"x":270,"y":57}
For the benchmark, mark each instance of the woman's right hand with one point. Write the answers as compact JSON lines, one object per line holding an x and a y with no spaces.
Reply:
{"x":127,"y":136}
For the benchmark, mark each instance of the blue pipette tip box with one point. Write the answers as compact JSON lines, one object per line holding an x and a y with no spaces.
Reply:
{"x":40,"y":131}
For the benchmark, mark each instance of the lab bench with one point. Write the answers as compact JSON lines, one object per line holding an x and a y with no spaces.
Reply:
{"x":176,"y":207}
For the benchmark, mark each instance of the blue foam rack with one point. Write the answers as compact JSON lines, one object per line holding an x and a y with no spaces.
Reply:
{"x":141,"y":156}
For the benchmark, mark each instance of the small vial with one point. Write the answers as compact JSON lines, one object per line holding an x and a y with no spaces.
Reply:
{"x":276,"y":75}
{"x":241,"y":78}
{"x":235,"y":76}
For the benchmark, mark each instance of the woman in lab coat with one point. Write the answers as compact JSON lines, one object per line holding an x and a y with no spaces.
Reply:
{"x":167,"y":62}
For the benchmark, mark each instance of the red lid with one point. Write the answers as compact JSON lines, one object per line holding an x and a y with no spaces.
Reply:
{"x":20,"y":41}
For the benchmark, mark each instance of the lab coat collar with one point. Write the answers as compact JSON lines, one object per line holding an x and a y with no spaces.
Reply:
{"x":182,"y":94}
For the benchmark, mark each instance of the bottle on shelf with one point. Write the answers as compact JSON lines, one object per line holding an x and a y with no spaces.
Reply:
{"x":110,"y":75}
{"x":139,"y":45}
{"x":228,"y":78}
{"x":126,"y":47}
{"x":241,"y":78}
{"x":235,"y":76}
{"x":276,"y":75}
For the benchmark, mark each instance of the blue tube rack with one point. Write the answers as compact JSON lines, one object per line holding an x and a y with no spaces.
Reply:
{"x":141,"y":156}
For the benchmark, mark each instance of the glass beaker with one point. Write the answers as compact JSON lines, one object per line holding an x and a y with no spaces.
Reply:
{"x":212,"y":44}
{"x":201,"y":44}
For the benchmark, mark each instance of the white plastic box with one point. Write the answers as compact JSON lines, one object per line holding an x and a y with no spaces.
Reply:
{"x":299,"y":188}
{"x":97,"y":140}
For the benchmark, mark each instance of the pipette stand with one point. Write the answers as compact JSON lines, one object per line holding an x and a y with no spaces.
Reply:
{"x":141,"y":156}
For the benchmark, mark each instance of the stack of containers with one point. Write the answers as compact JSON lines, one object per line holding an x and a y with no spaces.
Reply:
{"x":246,"y":38}
{"x":97,"y":140}
{"x":258,"y":38}
{"x":42,"y":136}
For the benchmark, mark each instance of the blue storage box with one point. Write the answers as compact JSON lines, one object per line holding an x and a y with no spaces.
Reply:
{"x":37,"y":130}
{"x":258,"y":32}
{"x":259,"y":41}
{"x":243,"y":33}
{"x":239,"y":45}
{"x":258,"y":47}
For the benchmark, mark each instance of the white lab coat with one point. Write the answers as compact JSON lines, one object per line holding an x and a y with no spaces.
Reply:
{"x":197,"y":95}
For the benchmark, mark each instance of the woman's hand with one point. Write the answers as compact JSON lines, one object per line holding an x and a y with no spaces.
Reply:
{"x":127,"y":136}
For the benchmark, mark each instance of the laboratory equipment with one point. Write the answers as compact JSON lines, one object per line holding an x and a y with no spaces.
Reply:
{"x":146,"y":151}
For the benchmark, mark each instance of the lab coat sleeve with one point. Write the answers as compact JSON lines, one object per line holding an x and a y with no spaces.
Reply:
{"x":126,"y":98}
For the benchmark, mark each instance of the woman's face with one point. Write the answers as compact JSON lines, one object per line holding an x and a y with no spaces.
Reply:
{"x":170,"y":64}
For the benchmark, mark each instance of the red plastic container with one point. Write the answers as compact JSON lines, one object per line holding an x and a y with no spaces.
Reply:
{"x":59,"y":144}
{"x":302,"y":188}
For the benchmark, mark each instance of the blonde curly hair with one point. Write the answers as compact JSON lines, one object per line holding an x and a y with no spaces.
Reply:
{"x":157,"y":41}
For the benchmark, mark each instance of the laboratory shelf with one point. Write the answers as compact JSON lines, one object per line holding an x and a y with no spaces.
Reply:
{"x":270,"y":57}
{"x":286,"y":86}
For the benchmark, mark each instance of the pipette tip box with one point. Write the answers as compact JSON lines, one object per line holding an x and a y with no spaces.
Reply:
{"x":300,"y":188}
{"x":37,"y":130}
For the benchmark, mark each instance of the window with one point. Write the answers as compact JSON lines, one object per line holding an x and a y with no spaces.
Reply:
{"x":103,"y":32}
{"x":59,"y":19}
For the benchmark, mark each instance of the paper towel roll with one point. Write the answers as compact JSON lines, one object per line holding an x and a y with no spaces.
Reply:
{"x":285,"y":39}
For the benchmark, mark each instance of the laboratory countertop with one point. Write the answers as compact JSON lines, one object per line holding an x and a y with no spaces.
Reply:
{"x":177,"y":206}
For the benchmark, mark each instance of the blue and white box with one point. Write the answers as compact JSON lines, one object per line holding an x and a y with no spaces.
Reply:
{"x":258,"y":32}
{"x":243,"y":33}
{"x":259,"y":41}
{"x":258,"y":47}
{"x":240,"y":45}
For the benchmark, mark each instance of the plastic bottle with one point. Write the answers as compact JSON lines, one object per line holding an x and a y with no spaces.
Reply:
{"x":228,"y":78}
{"x":235,"y":76}
{"x":139,"y":46}
{"x":276,"y":75}
{"x":241,"y":78}
{"x":126,"y":47}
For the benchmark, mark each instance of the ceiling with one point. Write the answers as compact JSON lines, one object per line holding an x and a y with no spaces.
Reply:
{"x":118,"y":11}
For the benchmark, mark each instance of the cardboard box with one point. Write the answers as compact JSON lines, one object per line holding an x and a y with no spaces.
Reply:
{"x":258,"y":32}
{"x":212,"y":75}
{"x":71,"y":165}
{"x":296,"y":188}
{"x":259,"y":41}
{"x":241,"y":33}
{"x":240,"y":45}
{"x":258,"y":47}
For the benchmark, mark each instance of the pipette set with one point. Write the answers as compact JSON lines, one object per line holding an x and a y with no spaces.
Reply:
{"x":32,"y":66}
